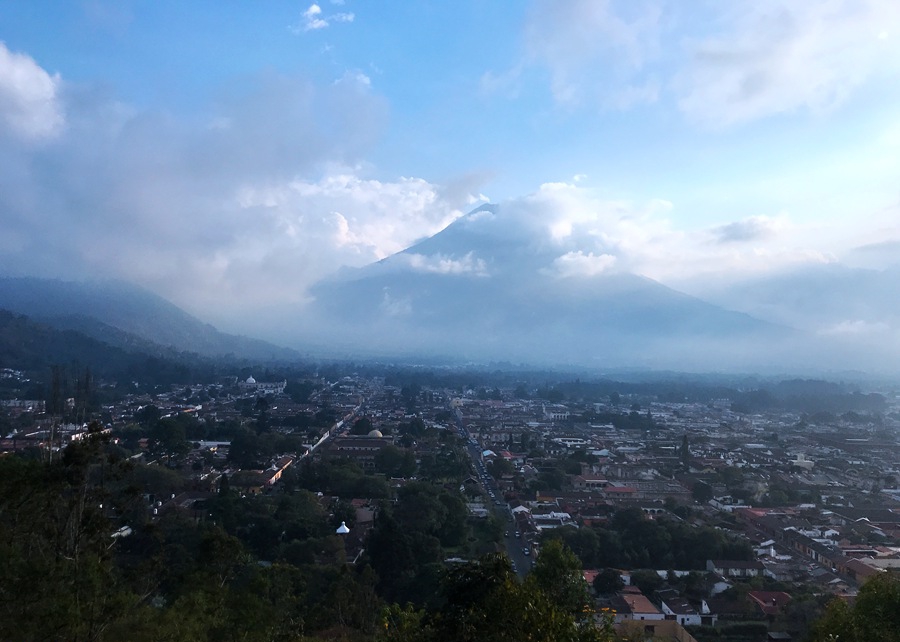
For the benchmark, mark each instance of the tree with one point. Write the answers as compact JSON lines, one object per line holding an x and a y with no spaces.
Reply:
{"x":420,"y":510}
{"x":555,"y":395}
{"x":702,"y":492}
{"x":448,"y":464}
{"x":498,"y":467}
{"x":56,"y":404}
{"x":343,"y":512}
{"x":299,"y":391}
{"x":69,"y":574}
{"x":484,"y":602}
{"x":362,"y":426}
{"x":54,"y":533}
{"x":84,"y":394}
{"x":646,"y":580}
{"x":409,"y":394}
{"x":557,"y":572}
{"x":396,"y":557}
{"x":874,"y":616}
{"x":403,"y":624}
{"x":170,"y":436}
{"x":148,"y":415}
{"x":608,"y":581}
{"x":731,"y":476}
{"x":592,"y":547}
{"x":395,"y":462}
{"x":244,"y":449}
{"x":414,"y":428}
{"x":552,"y":478}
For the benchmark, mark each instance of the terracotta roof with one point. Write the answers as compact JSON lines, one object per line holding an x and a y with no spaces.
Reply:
{"x":634,"y":603}
{"x":770,"y":602}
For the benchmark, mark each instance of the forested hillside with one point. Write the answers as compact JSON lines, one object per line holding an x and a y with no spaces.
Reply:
{"x":34,"y":347}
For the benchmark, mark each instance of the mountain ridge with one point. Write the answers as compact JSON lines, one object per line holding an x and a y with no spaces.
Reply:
{"x":494,"y":289}
{"x":34,"y":347}
{"x":129,"y":309}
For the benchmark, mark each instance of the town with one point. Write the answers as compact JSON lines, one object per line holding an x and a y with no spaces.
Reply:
{"x":692,"y":519}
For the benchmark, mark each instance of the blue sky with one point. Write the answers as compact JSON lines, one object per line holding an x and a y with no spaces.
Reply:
{"x":235,"y":151}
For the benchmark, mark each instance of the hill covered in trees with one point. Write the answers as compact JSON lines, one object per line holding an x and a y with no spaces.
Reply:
{"x":100,"y":308}
{"x":34,"y":347}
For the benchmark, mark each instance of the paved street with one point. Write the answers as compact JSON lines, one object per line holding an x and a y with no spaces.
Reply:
{"x":514,"y":545}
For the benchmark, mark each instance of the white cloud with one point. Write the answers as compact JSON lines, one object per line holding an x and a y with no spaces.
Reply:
{"x":313,"y":19}
{"x":297,"y":232}
{"x":586,"y":43}
{"x":248,"y":205}
{"x":440,"y":264}
{"x":280,"y":238}
{"x":395,"y":306}
{"x":581,"y":233}
{"x":560,"y":230}
{"x":355,"y":78}
{"x":878,"y":255}
{"x":30,"y":106}
{"x":574,"y":217}
{"x":579,"y":264}
{"x":368,"y":218}
{"x":775,"y":56}
{"x":857,"y":327}
{"x":724,"y":63}
{"x":754,"y":228}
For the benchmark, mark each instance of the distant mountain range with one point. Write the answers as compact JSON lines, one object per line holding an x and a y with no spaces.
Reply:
{"x":128,"y":317}
{"x":826,"y":298}
{"x":485,"y":289}
{"x":34,"y":348}
{"x":489,"y":288}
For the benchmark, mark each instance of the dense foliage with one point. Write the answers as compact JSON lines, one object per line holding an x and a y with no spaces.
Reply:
{"x":30,"y":346}
{"x":73,"y":571}
{"x":484,"y":601}
{"x":632,"y":541}
{"x":875,"y":614}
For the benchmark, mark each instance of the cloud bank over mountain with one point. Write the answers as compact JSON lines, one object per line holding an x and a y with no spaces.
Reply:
{"x":208,"y":210}
{"x":739,"y":153}
{"x":533,"y":299}
{"x":216,"y":209}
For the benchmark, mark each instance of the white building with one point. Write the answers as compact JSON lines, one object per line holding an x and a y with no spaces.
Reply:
{"x":252,"y":386}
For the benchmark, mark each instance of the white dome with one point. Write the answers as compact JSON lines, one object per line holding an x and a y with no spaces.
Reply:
{"x":375,"y":433}
{"x":250,"y":379}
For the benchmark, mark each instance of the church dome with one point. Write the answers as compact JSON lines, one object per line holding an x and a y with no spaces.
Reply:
{"x":250,"y":379}
{"x":375,"y":433}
